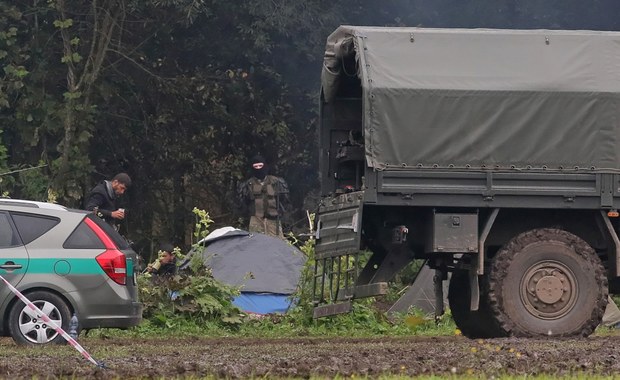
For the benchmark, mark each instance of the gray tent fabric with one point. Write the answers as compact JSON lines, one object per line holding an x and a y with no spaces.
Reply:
{"x":258,"y":263}
{"x":503,"y":99}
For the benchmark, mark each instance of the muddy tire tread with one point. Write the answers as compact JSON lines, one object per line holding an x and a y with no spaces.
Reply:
{"x":504,"y":259}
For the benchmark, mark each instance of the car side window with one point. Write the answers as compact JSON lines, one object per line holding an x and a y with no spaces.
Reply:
{"x":83,"y":237}
{"x":8,"y":235}
{"x":31,"y":226}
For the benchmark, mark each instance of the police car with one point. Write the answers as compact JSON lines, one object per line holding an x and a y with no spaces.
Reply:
{"x":66,"y":262}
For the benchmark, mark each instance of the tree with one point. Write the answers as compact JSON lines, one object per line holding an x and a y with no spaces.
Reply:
{"x":65,"y":45}
{"x":87,"y":30}
{"x":212,"y":93}
{"x":12,"y":56}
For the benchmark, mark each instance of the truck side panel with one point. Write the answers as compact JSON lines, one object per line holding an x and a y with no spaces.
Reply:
{"x":521,"y":189}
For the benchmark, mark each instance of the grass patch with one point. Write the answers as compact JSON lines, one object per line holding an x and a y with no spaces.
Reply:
{"x":361,"y":322}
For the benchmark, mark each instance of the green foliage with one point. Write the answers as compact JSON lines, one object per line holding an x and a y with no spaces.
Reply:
{"x":3,"y":155}
{"x":34,"y":183}
{"x":192,"y":294}
{"x":365,"y":319}
{"x":193,"y":302}
{"x":302,"y":312}
{"x":201,"y":227}
{"x":73,"y":57}
{"x":189,"y":8}
{"x":63,"y":24}
{"x":41,"y":122}
{"x":12,"y":55}
{"x":17,"y":72}
{"x":71,"y":95}
{"x":182,"y":119}
{"x":4,"y":180}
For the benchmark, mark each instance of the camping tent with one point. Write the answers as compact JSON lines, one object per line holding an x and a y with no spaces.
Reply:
{"x":267,"y":269}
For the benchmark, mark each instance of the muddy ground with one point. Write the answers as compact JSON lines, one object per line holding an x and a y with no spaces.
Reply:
{"x":305,"y":357}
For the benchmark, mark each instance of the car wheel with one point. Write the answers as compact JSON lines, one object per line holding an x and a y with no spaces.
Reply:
{"x":547,"y":282}
{"x":28,"y":328}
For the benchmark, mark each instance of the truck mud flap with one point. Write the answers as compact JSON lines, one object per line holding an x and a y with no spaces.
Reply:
{"x":339,"y":225}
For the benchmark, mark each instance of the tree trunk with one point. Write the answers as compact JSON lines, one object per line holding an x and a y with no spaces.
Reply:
{"x":106,"y":21}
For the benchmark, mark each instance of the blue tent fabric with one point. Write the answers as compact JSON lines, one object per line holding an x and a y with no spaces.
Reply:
{"x":263,"y":303}
{"x":267,"y":269}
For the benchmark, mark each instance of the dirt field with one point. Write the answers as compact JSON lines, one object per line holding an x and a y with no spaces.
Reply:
{"x":242,"y":358}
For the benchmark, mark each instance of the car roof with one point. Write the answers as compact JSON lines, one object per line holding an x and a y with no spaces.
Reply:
{"x":31,"y":204}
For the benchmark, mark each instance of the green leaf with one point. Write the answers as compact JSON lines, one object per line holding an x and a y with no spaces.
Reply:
{"x":63,"y":24}
{"x":21,"y":72}
{"x":208,"y":303}
{"x":72,"y":95}
{"x":233,"y":320}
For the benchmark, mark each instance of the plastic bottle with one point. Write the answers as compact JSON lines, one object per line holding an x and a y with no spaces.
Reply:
{"x":73,"y":327}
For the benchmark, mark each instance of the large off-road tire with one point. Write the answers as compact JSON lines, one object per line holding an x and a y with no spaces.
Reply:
{"x":28,"y":328}
{"x":473,"y":324}
{"x":547,"y":282}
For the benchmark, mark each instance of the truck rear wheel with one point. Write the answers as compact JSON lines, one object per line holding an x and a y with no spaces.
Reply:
{"x":473,"y":324}
{"x":547,"y":282}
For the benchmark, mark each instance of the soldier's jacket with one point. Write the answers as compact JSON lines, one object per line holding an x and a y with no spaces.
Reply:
{"x":264,"y":199}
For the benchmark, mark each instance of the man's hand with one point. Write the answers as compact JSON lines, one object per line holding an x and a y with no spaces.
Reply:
{"x":118,"y":214}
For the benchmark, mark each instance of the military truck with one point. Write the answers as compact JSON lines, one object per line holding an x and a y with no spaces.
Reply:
{"x":494,"y":155}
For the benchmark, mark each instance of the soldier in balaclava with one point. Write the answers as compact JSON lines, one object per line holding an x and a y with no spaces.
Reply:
{"x":264,"y":198}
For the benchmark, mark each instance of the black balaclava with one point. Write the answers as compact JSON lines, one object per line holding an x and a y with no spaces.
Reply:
{"x":261,"y":172}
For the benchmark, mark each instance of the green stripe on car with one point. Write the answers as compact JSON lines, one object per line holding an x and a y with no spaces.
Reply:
{"x":59,"y":266}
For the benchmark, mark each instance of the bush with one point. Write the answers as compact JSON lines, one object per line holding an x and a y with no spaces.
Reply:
{"x":191,"y":295}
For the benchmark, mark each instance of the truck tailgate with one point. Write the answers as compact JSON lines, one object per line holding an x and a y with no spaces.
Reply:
{"x":339,"y":225}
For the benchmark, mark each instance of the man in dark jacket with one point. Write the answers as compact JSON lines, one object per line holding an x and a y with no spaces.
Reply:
{"x":102,"y":198}
{"x":166,"y":263}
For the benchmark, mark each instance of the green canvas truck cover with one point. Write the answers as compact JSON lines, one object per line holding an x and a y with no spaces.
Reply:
{"x":475,"y":98}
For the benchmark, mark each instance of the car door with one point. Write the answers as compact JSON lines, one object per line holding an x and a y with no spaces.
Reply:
{"x":13,"y":257}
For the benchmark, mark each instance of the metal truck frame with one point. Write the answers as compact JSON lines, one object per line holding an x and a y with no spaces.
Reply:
{"x":494,"y":155}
